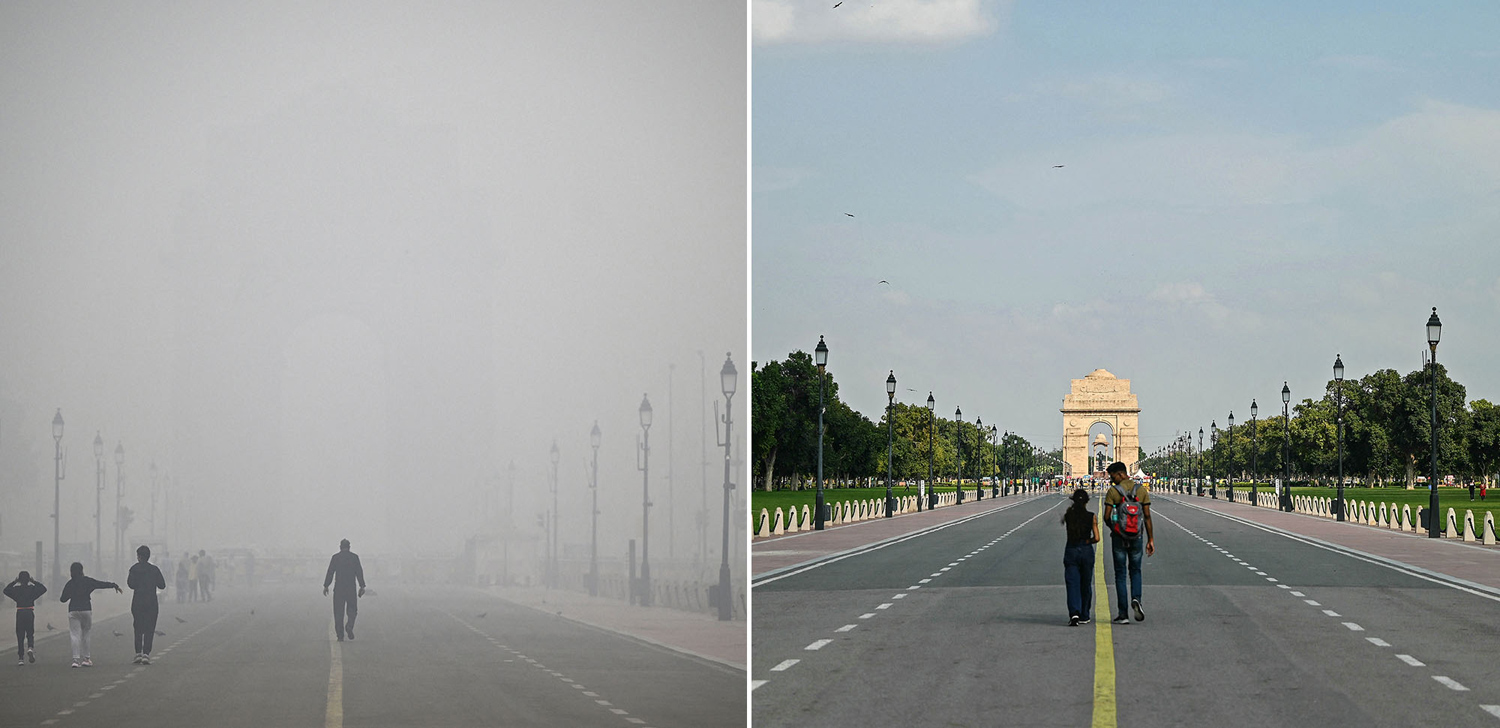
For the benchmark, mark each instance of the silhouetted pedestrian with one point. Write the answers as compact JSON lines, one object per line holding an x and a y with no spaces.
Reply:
{"x":144,"y":580}
{"x":81,"y":611}
{"x":182,"y":579}
{"x":343,"y":572}
{"x":25,"y":591}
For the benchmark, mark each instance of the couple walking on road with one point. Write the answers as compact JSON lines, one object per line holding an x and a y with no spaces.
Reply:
{"x":1127,"y":514}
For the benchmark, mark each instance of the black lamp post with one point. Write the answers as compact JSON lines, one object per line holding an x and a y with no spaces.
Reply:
{"x":1338,"y":389}
{"x":890,"y":430}
{"x":958,"y":428}
{"x":728,"y":382}
{"x":931,"y":425}
{"x":1213,"y":452}
{"x":98,"y":501}
{"x":979,"y":447}
{"x":1254,"y":456}
{"x":57,"y":471}
{"x":1199,"y":462}
{"x":552,"y":567}
{"x":995,"y":463}
{"x":643,"y":450}
{"x":1434,"y":332}
{"x":1286,"y":449}
{"x":594,"y":436}
{"x":820,"y":357}
{"x":119,"y":521}
{"x":1229,"y":461}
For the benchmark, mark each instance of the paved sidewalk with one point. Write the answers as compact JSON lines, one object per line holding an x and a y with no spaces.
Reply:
{"x":106,"y":603}
{"x":1457,"y":559}
{"x":699,"y":635}
{"x":781,"y":552}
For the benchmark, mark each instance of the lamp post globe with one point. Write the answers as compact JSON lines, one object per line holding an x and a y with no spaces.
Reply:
{"x":1434,"y":333}
{"x":820,"y":516}
{"x":1338,"y":388}
{"x":931,"y":424}
{"x":890,"y":430}
{"x":729,"y":380}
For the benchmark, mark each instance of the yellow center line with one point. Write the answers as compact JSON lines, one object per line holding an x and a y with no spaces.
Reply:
{"x":334,"y":718}
{"x":1104,"y":649}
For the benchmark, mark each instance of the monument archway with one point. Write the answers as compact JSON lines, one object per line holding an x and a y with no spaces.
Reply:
{"x":1100,"y":397}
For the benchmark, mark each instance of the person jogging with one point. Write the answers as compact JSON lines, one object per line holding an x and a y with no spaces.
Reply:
{"x":1078,"y":558}
{"x":25,"y":591}
{"x":144,"y":580}
{"x":81,"y":611}
{"x":343,"y":572}
{"x":1127,"y":510}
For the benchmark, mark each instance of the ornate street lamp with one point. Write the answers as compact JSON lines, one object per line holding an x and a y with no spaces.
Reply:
{"x":1199,"y":462}
{"x":98,"y":501}
{"x":57,"y":471}
{"x":119,"y":522}
{"x":820,"y":357}
{"x":1434,"y":332}
{"x":1338,"y":389}
{"x":958,"y":427}
{"x":979,"y":447}
{"x":931,"y":425}
{"x":1213,"y":447}
{"x":1254,"y":456}
{"x":1286,"y":449}
{"x":594,"y":436}
{"x":995,"y":463}
{"x":643,"y":464}
{"x":1229,"y":466}
{"x":552,"y":563}
{"x":890,"y":430}
{"x":728,"y":381}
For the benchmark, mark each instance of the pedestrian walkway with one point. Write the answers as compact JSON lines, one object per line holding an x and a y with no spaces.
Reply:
{"x":1455,"y":559}
{"x":699,"y":635}
{"x":779,"y":553}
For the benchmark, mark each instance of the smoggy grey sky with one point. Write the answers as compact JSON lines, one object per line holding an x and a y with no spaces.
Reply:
{"x":333,"y":267}
{"x":1207,"y":200}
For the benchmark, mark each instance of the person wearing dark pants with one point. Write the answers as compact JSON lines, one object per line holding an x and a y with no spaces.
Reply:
{"x":344,"y":572}
{"x":1127,"y":549}
{"x":25,"y":591}
{"x":1078,"y":558}
{"x":144,"y":580}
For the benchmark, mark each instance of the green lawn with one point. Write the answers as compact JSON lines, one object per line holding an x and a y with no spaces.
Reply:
{"x":1455,"y":498}
{"x":784,"y":499}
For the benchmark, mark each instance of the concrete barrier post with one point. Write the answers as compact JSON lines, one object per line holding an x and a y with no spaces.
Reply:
{"x":780,"y":527}
{"x":1452,"y":528}
{"x":765,"y":524}
{"x":1489,"y":528}
{"x":1469,"y":526}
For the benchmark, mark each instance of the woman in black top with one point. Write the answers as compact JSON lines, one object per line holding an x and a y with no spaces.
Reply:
{"x":81,"y":610}
{"x":144,"y":580}
{"x":1078,"y":558}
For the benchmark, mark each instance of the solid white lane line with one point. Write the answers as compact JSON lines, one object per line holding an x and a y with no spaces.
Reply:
{"x":846,"y":628}
{"x":817,"y":645}
{"x":1354,"y":627}
{"x":784,"y":664}
{"x":1378,"y":642}
{"x":1449,"y":682}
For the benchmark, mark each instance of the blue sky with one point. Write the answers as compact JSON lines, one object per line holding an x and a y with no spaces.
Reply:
{"x":1247,"y":190}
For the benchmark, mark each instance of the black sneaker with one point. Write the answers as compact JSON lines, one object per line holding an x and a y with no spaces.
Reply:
{"x":1085,"y":620}
{"x":1135,"y":604}
{"x":30,"y":654}
{"x":350,"y":631}
{"x":1073,"y":621}
{"x":1122,"y":619}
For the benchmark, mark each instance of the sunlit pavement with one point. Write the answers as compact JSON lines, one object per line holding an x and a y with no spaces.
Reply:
{"x":967,"y":625}
{"x":423,"y":657}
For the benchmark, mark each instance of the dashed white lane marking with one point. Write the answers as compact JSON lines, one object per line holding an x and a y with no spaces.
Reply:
{"x":618,"y":711}
{"x":1449,"y":683}
{"x":867,"y":615}
{"x":817,"y":645}
{"x":1298,"y":594}
{"x":604,"y":702}
{"x":1354,"y":627}
{"x":846,"y":628}
{"x":1271,"y":579}
{"x":1378,"y":642}
{"x":757,"y":683}
{"x":914,"y":586}
{"x":1491,"y":709}
{"x":1332,"y":613}
{"x":784,"y":664}
{"x":887,"y":605}
{"x":924,"y":581}
{"x":1312,"y":602}
{"x":1408,"y":659}
{"x":899,"y":596}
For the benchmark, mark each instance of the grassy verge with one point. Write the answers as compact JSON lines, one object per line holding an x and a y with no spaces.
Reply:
{"x":1455,"y":498}
{"x":786,"y":499}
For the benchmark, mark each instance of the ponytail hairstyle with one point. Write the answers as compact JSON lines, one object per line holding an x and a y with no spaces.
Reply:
{"x":1080,"y":500}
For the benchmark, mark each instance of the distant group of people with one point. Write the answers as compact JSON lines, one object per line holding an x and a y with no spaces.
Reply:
{"x":195,"y":580}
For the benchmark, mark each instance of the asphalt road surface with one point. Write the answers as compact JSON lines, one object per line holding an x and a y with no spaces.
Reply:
{"x":967,"y":626}
{"x":422,"y":657}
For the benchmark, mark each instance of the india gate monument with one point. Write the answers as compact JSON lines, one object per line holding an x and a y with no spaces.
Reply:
{"x":1100,"y":397}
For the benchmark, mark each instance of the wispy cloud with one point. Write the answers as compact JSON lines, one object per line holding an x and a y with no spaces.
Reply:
{"x":889,"y":21}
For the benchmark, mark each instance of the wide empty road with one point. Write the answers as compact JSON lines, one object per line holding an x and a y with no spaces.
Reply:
{"x":422,"y":657}
{"x":967,"y":626}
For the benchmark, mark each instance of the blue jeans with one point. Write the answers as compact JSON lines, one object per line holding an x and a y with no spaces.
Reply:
{"x":1122,"y":550}
{"x":1078,"y":575}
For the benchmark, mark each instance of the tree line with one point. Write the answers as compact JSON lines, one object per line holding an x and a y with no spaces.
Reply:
{"x":1387,"y":420}
{"x":784,"y":435}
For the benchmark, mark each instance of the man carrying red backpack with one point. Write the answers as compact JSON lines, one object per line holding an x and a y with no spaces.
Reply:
{"x":1127,"y":511}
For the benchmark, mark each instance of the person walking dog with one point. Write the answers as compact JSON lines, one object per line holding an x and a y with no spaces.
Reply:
{"x":1127,"y":511}
{"x":1078,"y":558}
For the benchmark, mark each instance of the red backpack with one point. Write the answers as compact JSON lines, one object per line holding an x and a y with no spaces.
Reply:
{"x":1127,"y":518}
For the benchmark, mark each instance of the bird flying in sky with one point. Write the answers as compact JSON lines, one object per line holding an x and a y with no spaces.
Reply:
{"x":849,"y":214}
{"x":1057,"y":166}
{"x":886,"y":282}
